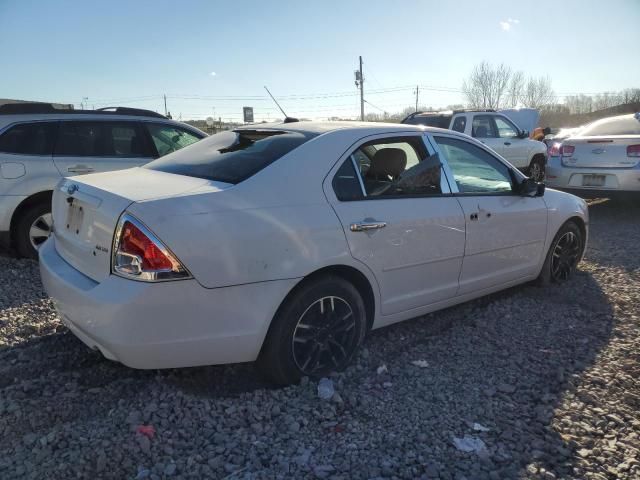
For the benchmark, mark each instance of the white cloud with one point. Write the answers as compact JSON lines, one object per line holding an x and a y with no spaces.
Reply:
{"x":213,"y":74}
{"x":507,"y":24}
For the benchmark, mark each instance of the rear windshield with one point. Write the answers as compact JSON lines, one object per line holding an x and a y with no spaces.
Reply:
{"x":628,"y":125}
{"x":439,"y":121}
{"x":232,"y":156}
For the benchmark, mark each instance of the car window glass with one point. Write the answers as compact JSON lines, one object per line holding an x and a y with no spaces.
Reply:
{"x":629,"y":125}
{"x":396,"y":167}
{"x":482,"y":127}
{"x":474,"y":170}
{"x":169,"y":139}
{"x":346,"y":184}
{"x":100,"y":139}
{"x":505,"y":129}
{"x":29,"y":138}
{"x":459,"y":124}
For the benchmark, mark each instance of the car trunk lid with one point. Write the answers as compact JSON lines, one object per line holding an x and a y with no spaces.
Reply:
{"x":86,"y":210}
{"x":600,"y":152}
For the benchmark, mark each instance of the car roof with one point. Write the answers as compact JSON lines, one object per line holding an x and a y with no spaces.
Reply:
{"x":318,"y":128}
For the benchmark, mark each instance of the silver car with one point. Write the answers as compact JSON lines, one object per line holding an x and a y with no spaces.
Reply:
{"x":602,"y":159}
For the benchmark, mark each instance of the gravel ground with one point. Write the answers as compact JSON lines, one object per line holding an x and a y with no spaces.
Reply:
{"x":537,"y":382}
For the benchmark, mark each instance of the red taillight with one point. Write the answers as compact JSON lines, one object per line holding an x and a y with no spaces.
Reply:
{"x":633,"y":151}
{"x":139,"y":254}
{"x":554,"y":149}
{"x":134,"y":242}
{"x":567,"y":150}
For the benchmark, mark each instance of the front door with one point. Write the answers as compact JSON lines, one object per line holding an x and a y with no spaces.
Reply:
{"x":505,"y":231}
{"x":400,"y":220}
{"x":514,"y":149}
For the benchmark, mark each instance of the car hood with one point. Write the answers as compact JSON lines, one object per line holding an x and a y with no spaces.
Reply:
{"x":525,"y":118}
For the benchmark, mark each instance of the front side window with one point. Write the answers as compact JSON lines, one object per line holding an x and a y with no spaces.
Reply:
{"x":474,"y":170}
{"x":627,"y":125}
{"x":459,"y":124}
{"x":389,"y":168}
{"x":101,"y":139}
{"x":29,"y":138}
{"x":231,"y":156}
{"x":505,"y":128}
{"x":168,"y":138}
{"x":483,"y":127}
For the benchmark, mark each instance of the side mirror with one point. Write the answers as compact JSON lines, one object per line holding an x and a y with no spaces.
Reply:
{"x":523,"y":134}
{"x":530,"y":188}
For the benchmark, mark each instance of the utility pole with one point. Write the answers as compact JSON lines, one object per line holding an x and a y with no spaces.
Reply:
{"x":360,"y":84}
{"x":165,"y":104}
{"x":417,"y":93}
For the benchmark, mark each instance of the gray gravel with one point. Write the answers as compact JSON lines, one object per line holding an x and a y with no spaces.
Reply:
{"x":537,"y":382}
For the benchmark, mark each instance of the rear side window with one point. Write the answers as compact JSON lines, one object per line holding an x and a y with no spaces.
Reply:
{"x":439,"y":121}
{"x":29,"y":138}
{"x":628,"y":125}
{"x":168,"y":138}
{"x":101,"y":139}
{"x":231,"y":156}
{"x":459,"y":124}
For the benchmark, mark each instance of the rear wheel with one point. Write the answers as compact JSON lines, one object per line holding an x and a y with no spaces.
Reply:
{"x":536,"y":169}
{"x":563,"y":256}
{"x":317,"y":330}
{"x":33,"y":229}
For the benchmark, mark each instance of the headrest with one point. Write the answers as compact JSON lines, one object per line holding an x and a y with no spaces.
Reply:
{"x":481,"y":131}
{"x":388,"y":161}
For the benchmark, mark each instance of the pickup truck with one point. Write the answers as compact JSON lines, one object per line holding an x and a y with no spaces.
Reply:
{"x":498,"y":130}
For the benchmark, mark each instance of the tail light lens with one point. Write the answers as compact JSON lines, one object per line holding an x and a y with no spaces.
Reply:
{"x":567,"y":150}
{"x":633,"y":151}
{"x":554,"y":149}
{"x":138,"y":254}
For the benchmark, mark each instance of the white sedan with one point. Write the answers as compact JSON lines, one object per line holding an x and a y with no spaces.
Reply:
{"x":287,"y":243}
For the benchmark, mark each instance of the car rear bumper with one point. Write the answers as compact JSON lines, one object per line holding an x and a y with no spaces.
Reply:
{"x":162,"y":325}
{"x":616,"y":180}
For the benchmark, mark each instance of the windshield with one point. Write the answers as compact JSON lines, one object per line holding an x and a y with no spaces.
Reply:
{"x":231,"y":156}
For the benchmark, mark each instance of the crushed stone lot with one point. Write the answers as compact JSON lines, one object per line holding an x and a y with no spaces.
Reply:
{"x":529,"y":383}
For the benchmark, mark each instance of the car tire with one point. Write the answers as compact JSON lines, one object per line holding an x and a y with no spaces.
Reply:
{"x":563,"y":255}
{"x":38,"y":217}
{"x":318,"y":329}
{"x":536,"y":169}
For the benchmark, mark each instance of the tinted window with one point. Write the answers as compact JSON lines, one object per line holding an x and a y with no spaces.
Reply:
{"x":167,"y":138}
{"x":346,"y":184}
{"x":101,"y":139}
{"x":29,"y":139}
{"x":483,"y":127}
{"x":397,"y":167}
{"x":231,"y":156}
{"x":440,"y":121}
{"x":505,"y":128}
{"x":459,"y":124}
{"x":628,"y":125}
{"x":474,"y":170}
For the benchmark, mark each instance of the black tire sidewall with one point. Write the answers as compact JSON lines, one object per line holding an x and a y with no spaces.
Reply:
{"x":21,"y":238}
{"x":570,"y":226}
{"x":540,"y":163}
{"x":276,"y":360}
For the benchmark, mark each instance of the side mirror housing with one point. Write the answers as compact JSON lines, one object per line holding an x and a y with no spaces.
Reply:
{"x":530,"y":188}
{"x":523,"y":134}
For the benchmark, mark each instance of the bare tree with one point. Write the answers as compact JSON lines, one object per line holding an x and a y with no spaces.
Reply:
{"x":487,"y":85}
{"x":514,"y":92}
{"x":537,"y":93}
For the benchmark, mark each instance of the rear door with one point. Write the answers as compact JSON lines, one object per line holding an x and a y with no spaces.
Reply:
{"x":400,"y":220}
{"x":100,"y":146}
{"x":505,"y":232}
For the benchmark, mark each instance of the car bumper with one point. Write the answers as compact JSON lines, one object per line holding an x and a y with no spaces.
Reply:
{"x":616,"y":180}
{"x":162,"y":325}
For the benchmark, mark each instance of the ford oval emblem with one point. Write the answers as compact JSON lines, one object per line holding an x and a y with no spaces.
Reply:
{"x":71,"y":189}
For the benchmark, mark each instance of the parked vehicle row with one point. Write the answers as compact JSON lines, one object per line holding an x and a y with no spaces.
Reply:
{"x":600,"y":159}
{"x":497,"y":130}
{"x":287,"y":243}
{"x":40,"y":144}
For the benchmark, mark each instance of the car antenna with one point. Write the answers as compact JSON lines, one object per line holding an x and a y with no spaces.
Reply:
{"x":287,"y":119}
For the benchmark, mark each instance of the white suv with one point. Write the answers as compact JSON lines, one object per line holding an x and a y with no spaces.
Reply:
{"x":40,"y":144}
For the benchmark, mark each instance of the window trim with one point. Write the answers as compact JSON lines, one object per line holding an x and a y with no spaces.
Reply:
{"x":445,"y":185}
{"x":515,"y":174}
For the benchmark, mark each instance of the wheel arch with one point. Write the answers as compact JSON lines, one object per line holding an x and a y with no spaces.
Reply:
{"x":30,"y":201}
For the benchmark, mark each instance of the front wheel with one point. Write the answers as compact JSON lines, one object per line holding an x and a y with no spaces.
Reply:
{"x":536,"y":169}
{"x":316,"y":331}
{"x":563,"y":256}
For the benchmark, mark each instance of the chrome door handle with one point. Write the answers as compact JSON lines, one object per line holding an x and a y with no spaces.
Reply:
{"x":363,"y":227}
{"x":80,"y":169}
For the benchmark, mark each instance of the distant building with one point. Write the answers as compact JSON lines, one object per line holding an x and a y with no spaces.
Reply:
{"x":62,"y":106}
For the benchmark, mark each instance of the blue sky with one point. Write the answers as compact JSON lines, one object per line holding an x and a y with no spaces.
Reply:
{"x":132,"y":52}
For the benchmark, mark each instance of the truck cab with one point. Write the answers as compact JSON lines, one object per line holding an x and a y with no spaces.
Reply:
{"x":496,"y":130}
